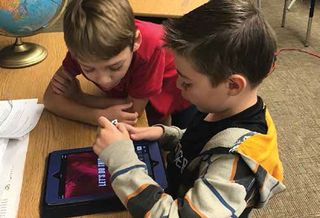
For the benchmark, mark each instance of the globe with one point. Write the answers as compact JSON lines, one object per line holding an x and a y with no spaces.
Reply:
{"x":20,"y":18}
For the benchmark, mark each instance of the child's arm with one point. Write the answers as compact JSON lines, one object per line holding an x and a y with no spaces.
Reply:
{"x":63,"y":83}
{"x":168,"y":136}
{"x":59,"y":103}
{"x":215,"y":194}
{"x":138,"y":105}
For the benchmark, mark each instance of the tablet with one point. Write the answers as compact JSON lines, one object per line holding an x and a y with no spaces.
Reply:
{"x":77,"y":182}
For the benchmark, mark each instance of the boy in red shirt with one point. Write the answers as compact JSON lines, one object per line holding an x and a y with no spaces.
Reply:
{"x":124,"y":57}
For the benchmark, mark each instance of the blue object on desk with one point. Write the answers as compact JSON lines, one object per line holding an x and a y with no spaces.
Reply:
{"x":77,"y":182}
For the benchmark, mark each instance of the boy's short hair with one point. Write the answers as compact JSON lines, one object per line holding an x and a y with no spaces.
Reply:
{"x":98,"y":29}
{"x":223,"y":37}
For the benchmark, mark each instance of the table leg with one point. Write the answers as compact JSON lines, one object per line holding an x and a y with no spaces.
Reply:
{"x":311,"y":12}
{"x":291,"y":4}
{"x":284,"y":14}
{"x":259,"y":4}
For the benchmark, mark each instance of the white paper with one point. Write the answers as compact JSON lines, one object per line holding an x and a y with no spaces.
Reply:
{"x":18,"y":117}
{"x":3,"y":147}
{"x":12,"y":176}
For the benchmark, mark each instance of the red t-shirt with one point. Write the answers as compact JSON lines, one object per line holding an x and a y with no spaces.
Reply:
{"x":151,"y":75}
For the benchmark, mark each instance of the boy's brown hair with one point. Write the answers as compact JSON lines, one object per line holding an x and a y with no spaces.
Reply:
{"x":98,"y":29}
{"x":224,"y":37}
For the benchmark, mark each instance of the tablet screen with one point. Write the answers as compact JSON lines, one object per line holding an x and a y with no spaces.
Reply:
{"x":85,"y":174}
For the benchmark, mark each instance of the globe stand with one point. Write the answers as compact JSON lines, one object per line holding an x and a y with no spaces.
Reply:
{"x":22,"y":54}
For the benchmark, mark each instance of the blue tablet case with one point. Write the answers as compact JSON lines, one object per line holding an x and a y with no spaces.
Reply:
{"x":55,"y":203}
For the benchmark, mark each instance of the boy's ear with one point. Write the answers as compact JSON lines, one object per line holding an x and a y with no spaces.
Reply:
{"x":137,"y":41}
{"x":235,"y":84}
{"x":273,"y":66}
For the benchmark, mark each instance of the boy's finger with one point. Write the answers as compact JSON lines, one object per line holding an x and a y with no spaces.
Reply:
{"x":129,"y":127}
{"x":59,"y":79}
{"x":58,"y":85}
{"x":66,"y":75}
{"x":57,"y":91}
{"x":56,"y":82}
{"x":61,"y":82}
{"x":96,"y":149}
{"x":104,"y":122}
{"x":121,"y":127}
{"x":57,"y":88}
{"x":139,"y":135}
{"x":131,"y":122}
{"x":126,"y":106}
{"x":130,"y":116}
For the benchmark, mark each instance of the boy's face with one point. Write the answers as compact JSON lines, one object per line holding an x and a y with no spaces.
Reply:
{"x":108,"y":73}
{"x":196,"y":88}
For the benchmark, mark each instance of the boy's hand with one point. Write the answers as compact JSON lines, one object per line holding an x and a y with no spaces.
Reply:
{"x":64,"y":84}
{"x":108,"y":134}
{"x":120,"y":113}
{"x":148,"y":133}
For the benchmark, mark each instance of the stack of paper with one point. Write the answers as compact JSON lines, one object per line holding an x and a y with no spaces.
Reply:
{"x":17,"y":119}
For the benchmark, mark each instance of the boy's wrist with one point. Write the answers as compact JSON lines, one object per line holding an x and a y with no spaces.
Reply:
{"x":162,"y":127}
{"x":99,"y":113}
{"x":78,"y":97}
{"x":119,"y":155}
{"x":170,"y":136}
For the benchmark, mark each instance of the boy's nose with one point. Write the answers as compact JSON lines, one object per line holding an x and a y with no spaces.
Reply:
{"x":103,"y":79}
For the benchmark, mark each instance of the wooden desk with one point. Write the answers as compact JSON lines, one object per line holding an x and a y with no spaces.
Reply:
{"x":52,"y":132}
{"x":153,"y":9}
{"x":164,"y":8}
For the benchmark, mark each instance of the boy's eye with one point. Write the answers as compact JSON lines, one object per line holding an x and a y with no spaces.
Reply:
{"x":88,"y":70}
{"x":115,"y":68}
{"x":185,"y":85}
